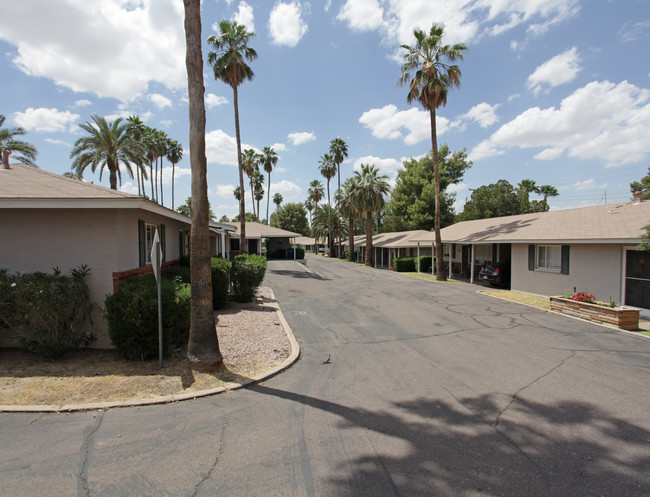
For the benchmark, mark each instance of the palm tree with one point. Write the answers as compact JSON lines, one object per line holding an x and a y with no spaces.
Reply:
{"x":269,"y":160}
{"x":258,"y":187}
{"x":107,"y":146}
{"x":547,"y":191}
{"x":309,"y":205}
{"x":9,"y":144}
{"x":526,"y":187}
{"x":203,"y":345}
{"x":326,"y":220}
{"x":429,"y":85}
{"x":349,"y":210}
{"x":369,"y":191}
{"x":174,"y":155}
{"x":339,"y":151}
{"x":237,"y":192}
{"x":249,"y":161}
{"x":316,"y":192}
{"x":138,"y":130}
{"x":229,"y":65}
{"x":277,"y":200}
{"x":328,"y":169}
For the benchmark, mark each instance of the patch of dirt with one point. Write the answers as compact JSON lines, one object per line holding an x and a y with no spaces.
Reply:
{"x":251,"y":338}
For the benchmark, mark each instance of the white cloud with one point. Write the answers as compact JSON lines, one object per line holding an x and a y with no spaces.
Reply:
{"x":287,"y":189}
{"x":632,"y":31}
{"x":128,"y":187}
{"x":301,"y":137}
{"x":57,"y":142}
{"x":483,"y":114}
{"x":386,"y":166}
{"x":388,"y":123}
{"x":279,"y":147}
{"x":212,"y":100}
{"x":556,"y":71}
{"x":160,"y":101}
{"x":602,"y":121}
{"x":82,"y":103}
{"x":455,"y":188}
{"x":286,"y":25}
{"x":245,"y":16}
{"x":109,"y":47}
{"x":224,"y":191}
{"x":178,"y":173}
{"x":45,"y":120}
{"x":221,"y":148}
{"x":588,"y":184}
{"x":364,"y":15}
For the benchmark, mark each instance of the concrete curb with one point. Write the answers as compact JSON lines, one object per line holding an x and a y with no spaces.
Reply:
{"x":293,"y":357}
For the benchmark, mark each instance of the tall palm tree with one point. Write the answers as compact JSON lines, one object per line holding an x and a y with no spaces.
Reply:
{"x":269,"y":160}
{"x":174,"y":155}
{"x":137,"y":128}
{"x":229,"y":63}
{"x":237,"y":192}
{"x":8,"y":144}
{"x":203,"y":345}
{"x":107,"y":146}
{"x":339,"y":151}
{"x":249,"y":162}
{"x":316,"y":192}
{"x":547,"y":191}
{"x":258,"y":187}
{"x":429,"y":73}
{"x":326,"y":220}
{"x":369,"y":190}
{"x":349,"y":210}
{"x":277,"y":200}
{"x":526,"y":187}
{"x":328,"y":169}
{"x":309,"y":205}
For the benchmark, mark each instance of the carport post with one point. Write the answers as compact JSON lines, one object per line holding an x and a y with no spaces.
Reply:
{"x":223,"y":243}
{"x":471,"y":275}
{"x":451,"y":257}
{"x":418,"y":257}
{"x":294,"y":249}
{"x":433,"y":259}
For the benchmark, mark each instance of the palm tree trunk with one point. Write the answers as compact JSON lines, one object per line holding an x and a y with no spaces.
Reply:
{"x":243,"y":248}
{"x":173,"y":171}
{"x":153,"y":197}
{"x":268,"y":199}
{"x":203,"y":345}
{"x":162,"y":196}
{"x":440,"y":272}
{"x":113,"y":176}
{"x":351,"y":239}
{"x":369,"y":238}
{"x":137,"y":174}
{"x":253,"y":199}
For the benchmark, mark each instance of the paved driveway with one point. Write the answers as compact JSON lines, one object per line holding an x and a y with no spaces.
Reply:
{"x":431,"y":389}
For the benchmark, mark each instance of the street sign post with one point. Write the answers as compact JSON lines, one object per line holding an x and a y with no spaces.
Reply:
{"x":156,"y":261}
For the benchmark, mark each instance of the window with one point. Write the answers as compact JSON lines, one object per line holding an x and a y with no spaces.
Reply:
{"x":554,"y":258}
{"x":234,"y":244}
{"x":150,"y":232}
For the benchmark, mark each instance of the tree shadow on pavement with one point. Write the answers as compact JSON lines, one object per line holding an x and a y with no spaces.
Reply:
{"x":485,"y":446}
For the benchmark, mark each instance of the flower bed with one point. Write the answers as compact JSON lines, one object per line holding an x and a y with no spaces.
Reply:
{"x":623,"y":317}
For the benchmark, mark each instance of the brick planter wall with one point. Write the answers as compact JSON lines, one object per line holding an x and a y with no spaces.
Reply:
{"x":623,"y":317}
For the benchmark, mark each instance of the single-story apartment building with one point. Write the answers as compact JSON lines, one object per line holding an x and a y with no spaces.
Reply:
{"x":48,"y":220}
{"x":279,"y":240}
{"x":590,"y":249}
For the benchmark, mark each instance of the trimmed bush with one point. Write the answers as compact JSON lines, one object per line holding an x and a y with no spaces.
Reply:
{"x":300,"y":253}
{"x":132,"y":316}
{"x":183,"y":272}
{"x":220,"y":282}
{"x":247,"y":274}
{"x":425,"y":263}
{"x":405,"y":264}
{"x":49,"y":313}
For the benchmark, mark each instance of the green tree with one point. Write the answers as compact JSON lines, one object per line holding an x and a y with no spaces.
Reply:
{"x":547,"y":191}
{"x":250,"y":218}
{"x":524,"y":189}
{"x":137,"y":129}
{"x":429,"y":78}
{"x":269,"y":160}
{"x":8,"y":144}
{"x":277,"y":200}
{"x":186,"y":209}
{"x":70,"y":174}
{"x":291,"y":217}
{"x":224,"y":219}
{"x":339,"y":152}
{"x":412,"y":205}
{"x":326,"y":221}
{"x":107,"y":146}
{"x":258,"y":189}
{"x":642,"y":185}
{"x":315,"y":192}
{"x":249,"y":161}
{"x":237,"y":192}
{"x":494,"y":200}
{"x":327,"y":168}
{"x":369,"y":191}
{"x":350,"y":210}
{"x":174,"y":155}
{"x":203,"y":345}
{"x":229,"y":63}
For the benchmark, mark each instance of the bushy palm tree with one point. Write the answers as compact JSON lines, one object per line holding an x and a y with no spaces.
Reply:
{"x":8,"y":144}
{"x":316,"y":192}
{"x":339,"y":152}
{"x":203,"y":345}
{"x":174,"y":155}
{"x":107,"y":146}
{"x":258,"y":188}
{"x":326,"y":221}
{"x":369,"y":190}
{"x":269,"y":160}
{"x":547,"y":191}
{"x":237,"y":192}
{"x":309,"y":205}
{"x":349,"y":209}
{"x":138,"y":129}
{"x":277,"y":200}
{"x":229,"y":63}
{"x":327,"y":168}
{"x":250,"y":164}
{"x":430,"y":74}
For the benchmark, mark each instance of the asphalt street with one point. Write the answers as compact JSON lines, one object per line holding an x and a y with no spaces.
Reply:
{"x":431,"y":389}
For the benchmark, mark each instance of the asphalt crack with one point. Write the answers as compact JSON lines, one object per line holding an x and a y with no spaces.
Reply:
{"x":82,"y":480}
{"x":197,"y":487}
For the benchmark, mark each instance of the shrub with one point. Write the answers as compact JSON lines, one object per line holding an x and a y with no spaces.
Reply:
{"x":220,"y":282}
{"x":132,"y":316}
{"x":425,"y":263}
{"x":300,"y":253}
{"x":182,"y":272}
{"x":49,"y":313}
{"x":404,"y":264}
{"x":247,"y":274}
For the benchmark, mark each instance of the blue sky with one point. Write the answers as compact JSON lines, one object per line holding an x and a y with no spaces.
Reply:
{"x":557,"y":91}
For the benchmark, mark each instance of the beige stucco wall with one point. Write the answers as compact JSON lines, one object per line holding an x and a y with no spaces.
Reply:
{"x":595,"y":269}
{"x":106,"y":240}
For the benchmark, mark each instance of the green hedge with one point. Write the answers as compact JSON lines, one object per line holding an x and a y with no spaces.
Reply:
{"x":247,"y":274}
{"x":132,"y":316}
{"x":405,"y":264}
{"x":220,"y":282}
{"x":50,"y":313}
{"x":425,"y":263}
{"x":300,"y":253}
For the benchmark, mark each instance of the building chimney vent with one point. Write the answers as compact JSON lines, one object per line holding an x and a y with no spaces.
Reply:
{"x":5,"y":158}
{"x":637,"y":195}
